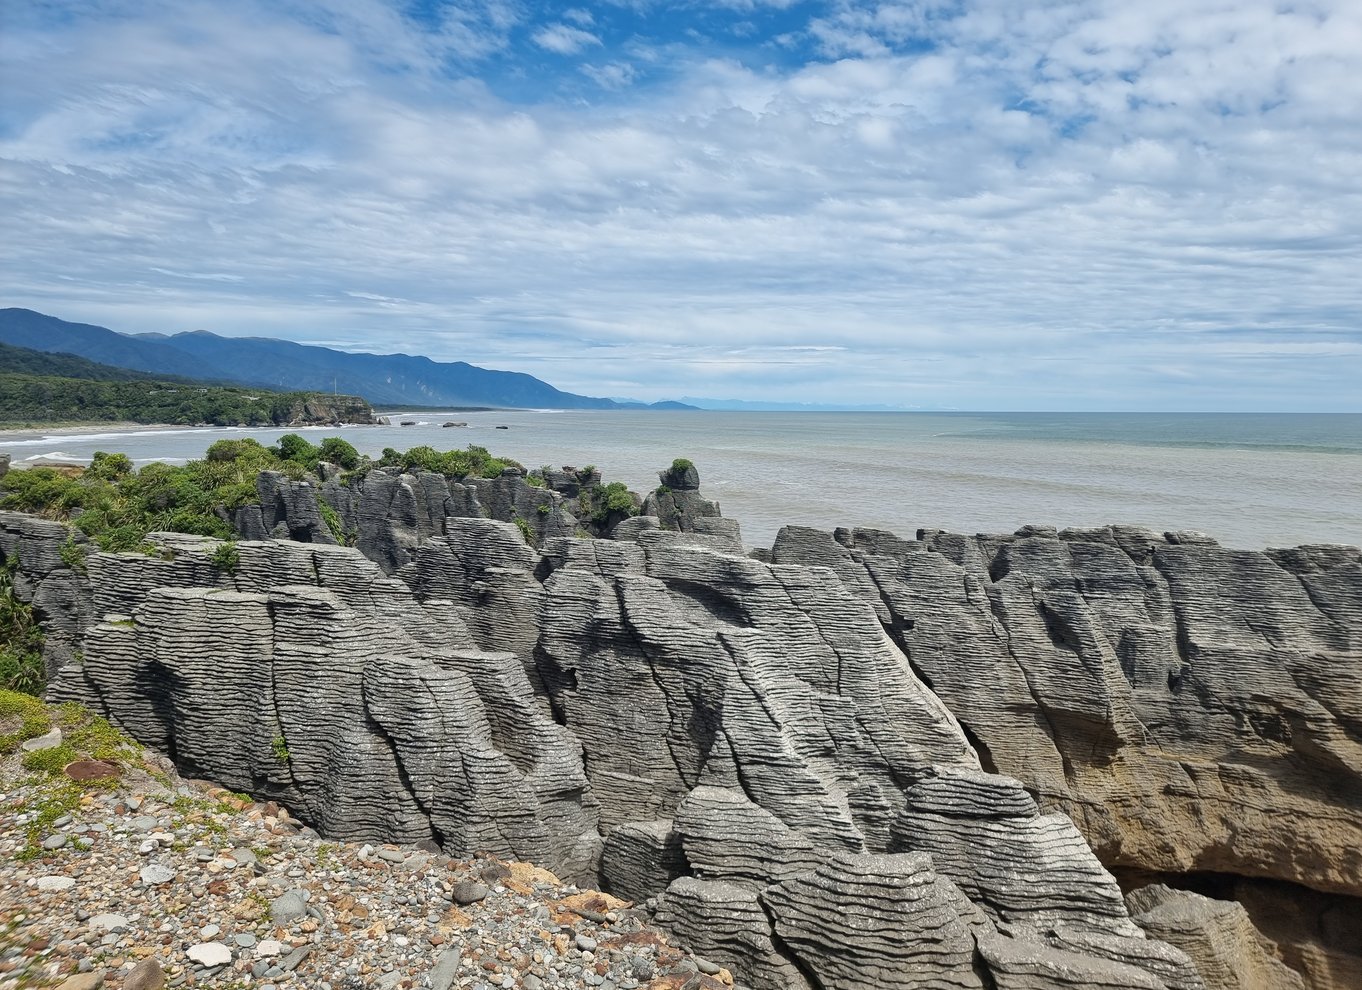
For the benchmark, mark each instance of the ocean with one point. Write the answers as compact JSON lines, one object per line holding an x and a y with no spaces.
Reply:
{"x":1249,"y":480}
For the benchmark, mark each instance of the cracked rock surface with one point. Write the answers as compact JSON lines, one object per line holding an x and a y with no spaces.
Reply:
{"x":865,"y":762}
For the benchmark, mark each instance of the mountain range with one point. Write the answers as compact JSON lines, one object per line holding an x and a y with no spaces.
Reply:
{"x":266,"y":362}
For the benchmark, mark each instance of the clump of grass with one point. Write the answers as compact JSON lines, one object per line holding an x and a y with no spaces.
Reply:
{"x":51,"y":760}
{"x":226,"y":557}
{"x":332,"y":519}
{"x":84,"y":736}
{"x":21,"y":640}
{"x":53,"y":796}
{"x":22,"y":717}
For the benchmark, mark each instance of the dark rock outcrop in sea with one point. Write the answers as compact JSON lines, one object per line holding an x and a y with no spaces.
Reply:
{"x":866,"y":762}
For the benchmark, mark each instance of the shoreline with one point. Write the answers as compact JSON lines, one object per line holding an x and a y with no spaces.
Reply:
{"x":69,"y":429}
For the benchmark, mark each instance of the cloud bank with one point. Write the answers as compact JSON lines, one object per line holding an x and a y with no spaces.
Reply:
{"x":987,"y":205}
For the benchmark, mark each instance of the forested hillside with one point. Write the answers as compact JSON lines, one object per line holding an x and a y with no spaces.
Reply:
{"x":26,"y":398}
{"x":25,"y":361}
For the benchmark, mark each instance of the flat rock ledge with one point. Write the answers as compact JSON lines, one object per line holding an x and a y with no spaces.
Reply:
{"x":254,"y":899}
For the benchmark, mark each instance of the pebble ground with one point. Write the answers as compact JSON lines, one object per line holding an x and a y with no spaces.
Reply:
{"x":160,"y":882}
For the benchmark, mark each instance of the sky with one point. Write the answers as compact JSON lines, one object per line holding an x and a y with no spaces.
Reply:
{"x":1080,"y":204}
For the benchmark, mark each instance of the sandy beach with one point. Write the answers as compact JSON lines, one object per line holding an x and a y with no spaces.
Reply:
{"x":80,"y":429}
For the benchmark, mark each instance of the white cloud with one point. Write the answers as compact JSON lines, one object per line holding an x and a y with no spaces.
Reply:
{"x":564,"y":39}
{"x":612,"y":75}
{"x":1091,"y":204}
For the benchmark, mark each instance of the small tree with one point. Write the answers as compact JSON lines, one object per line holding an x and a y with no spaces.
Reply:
{"x":338,"y":451}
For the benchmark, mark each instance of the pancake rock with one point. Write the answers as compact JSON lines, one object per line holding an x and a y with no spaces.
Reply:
{"x":1194,"y":709}
{"x":1217,"y":935}
{"x":857,"y":761}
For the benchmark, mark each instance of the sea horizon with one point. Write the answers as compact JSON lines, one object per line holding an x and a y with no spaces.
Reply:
{"x":1249,"y":480}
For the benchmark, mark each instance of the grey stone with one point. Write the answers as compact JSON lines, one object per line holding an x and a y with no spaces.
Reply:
{"x":288,"y":906}
{"x":295,"y":958}
{"x":156,"y":874}
{"x":445,"y":970}
{"x":48,"y":740}
{"x":146,"y":975}
{"x":209,"y":954}
{"x":467,"y":892}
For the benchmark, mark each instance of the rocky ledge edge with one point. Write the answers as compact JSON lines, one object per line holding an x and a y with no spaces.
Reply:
{"x":147,"y":880}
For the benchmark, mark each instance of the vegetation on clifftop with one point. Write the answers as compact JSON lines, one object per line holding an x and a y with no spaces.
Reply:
{"x":473,"y":462}
{"x":115,"y":506}
{"x":45,"y":399}
{"x":21,"y":641}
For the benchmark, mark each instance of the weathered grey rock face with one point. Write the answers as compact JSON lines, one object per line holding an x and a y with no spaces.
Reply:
{"x":389,"y":514}
{"x":678,"y":504}
{"x":1217,"y":935}
{"x":1193,"y":708}
{"x":308,"y":675}
{"x":781,"y":753}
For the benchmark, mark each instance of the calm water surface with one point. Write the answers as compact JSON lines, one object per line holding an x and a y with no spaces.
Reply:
{"x":1249,"y":480}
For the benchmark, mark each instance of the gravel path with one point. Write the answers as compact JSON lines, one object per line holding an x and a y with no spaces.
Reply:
{"x":159,"y":882}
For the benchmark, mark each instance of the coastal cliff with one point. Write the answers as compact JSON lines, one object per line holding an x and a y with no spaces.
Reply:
{"x":853,"y":760}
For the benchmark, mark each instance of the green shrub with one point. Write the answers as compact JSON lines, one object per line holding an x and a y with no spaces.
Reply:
{"x":338,"y":451}
{"x":475,"y":461}
{"x":73,"y":555}
{"x":110,"y":467}
{"x":119,"y":538}
{"x":233,"y":451}
{"x":682,"y":464}
{"x":226,"y":557}
{"x":614,"y":498}
{"x":21,"y":641}
{"x":525,"y":531}
{"x":292,"y":447}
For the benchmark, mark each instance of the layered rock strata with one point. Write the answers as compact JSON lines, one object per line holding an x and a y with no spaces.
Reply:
{"x":1195,"y":710}
{"x":864,"y":761}
{"x":388,"y":513}
{"x":690,"y":706}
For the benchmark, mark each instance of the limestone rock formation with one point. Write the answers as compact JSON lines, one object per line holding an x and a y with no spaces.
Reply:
{"x":864,"y":762}
{"x":1217,"y":935}
{"x":862,"y":922}
{"x":1193,"y":708}
{"x":677,"y":502}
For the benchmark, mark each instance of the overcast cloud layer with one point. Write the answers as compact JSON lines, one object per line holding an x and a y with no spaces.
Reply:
{"x":987,"y":205}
